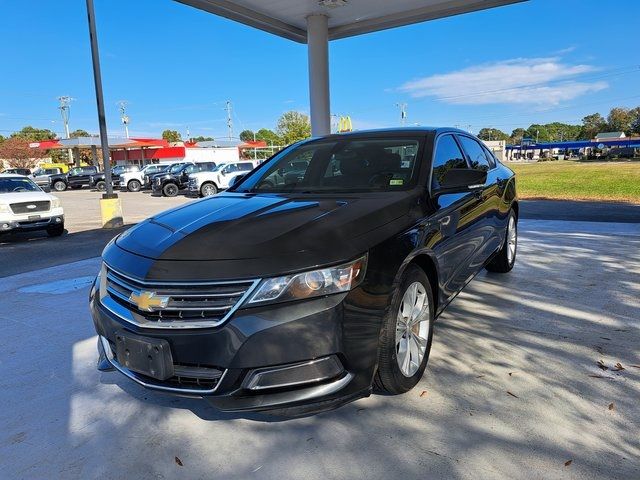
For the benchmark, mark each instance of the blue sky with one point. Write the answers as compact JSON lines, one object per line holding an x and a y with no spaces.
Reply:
{"x":534,"y":62}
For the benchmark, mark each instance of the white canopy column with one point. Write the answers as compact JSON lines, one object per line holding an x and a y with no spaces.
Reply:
{"x":318,"y":51}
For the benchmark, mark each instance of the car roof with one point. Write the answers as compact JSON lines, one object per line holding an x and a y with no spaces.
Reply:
{"x":11,"y":175}
{"x":392,"y":132}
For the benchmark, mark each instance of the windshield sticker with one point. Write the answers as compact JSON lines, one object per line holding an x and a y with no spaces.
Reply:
{"x":405,"y":164}
{"x":396,"y":181}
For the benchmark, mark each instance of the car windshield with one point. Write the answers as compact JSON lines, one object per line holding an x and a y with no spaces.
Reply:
{"x":177,"y":167}
{"x":339,"y":165}
{"x":17,"y":184}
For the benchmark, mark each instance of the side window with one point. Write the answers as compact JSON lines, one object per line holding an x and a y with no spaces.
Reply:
{"x":446,"y":157}
{"x":492,"y":159}
{"x":476,"y":153}
{"x":190,"y":169}
{"x":245,"y":167}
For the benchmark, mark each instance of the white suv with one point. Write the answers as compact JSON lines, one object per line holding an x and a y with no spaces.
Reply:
{"x":135,"y":181}
{"x":205,"y":184}
{"x":24,"y":206}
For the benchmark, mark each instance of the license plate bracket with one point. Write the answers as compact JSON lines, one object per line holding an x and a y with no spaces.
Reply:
{"x":145,"y":355}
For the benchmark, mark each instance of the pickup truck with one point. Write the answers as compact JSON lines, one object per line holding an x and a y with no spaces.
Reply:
{"x":205,"y":184}
{"x":77,"y":177}
{"x":173,"y":180}
{"x":40,"y":176}
{"x":135,"y":181}
{"x":98,"y":181}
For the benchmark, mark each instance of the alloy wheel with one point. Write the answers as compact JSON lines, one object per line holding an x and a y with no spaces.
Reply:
{"x":208,"y":190}
{"x":412,"y":329}
{"x":512,"y":239}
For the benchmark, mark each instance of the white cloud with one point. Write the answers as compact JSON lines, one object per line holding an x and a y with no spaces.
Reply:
{"x":539,"y":81}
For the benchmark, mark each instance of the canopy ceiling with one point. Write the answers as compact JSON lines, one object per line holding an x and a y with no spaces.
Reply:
{"x":287,"y":18}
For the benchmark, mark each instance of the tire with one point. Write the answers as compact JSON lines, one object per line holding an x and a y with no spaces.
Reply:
{"x":397,"y":372}
{"x":170,"y":190}
{"x":101,"y":186}
{"x":505,"y":259}
{"x":59,"y":186}
{"x":134,"y":186}
{"x":56,"y":230}
{"x":208,"y":189}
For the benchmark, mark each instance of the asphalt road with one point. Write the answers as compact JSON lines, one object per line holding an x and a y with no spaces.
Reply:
{"x":26,"y":252}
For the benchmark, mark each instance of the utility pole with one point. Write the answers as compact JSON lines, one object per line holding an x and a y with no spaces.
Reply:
{"x":65,"y":110}
{"x":229,"y":120}
{"x":403,"y":113}
{"x":188,"y":135}
{"x":123,"y":116}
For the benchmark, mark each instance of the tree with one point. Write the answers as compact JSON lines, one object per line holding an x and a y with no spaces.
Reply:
{"x":293,"y":126}
{"x":517,"y":135}
{"x":635,"y":121}
{"x":79,"y":133}
{"x":32,"y":134}
{"x":247,"y":135}
{"x":591,"y":126}
{"x":202,"y":139}
{"x":619,"y":120}
{"x":269,"y":136}
{"x":171,"y":136}
{"x":18,"y":154}
{"x":492,"y":134}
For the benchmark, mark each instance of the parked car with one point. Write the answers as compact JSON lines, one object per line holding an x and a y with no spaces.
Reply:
{"x":305,"y":294}
{"x":169,"y":183}
{"x":18,"y":171}
{"x":77,"y":177}
{"x":135,"y":181}
{"x":98,"y":181}
{"x":24,"y":206}
{"x":41,"y":175}
{"x":207,"y":183}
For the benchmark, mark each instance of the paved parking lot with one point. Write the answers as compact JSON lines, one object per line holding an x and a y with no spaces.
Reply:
{"x":513,"y":388}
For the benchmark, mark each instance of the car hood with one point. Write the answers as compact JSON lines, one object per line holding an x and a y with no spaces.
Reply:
{"x":20,"y":197}
{"x":266,"y":233}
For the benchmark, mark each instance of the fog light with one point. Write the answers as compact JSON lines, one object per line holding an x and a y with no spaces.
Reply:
{"x":58,"y":220}
{"x":5,"y":226}
{"x":297,"y":374}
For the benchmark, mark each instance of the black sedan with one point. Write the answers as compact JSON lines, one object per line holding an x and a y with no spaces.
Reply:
{"x":303,"y":292}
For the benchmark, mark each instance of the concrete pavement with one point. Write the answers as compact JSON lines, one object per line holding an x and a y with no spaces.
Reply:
{"x":512,"y":390}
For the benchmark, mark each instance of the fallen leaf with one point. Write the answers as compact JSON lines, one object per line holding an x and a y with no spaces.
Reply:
{"x":567,"y":463}
{"x":596,"y":376}
{"x":178,"y":461}
{"x":513,"y":395}
{"x":423,"y":393}
{"x":635,"y":366}
{"x":479,"y":376}
{"x":612,"y":406}
{"x":618,"y":367}
{"x":602,"y":366}
{"x":511,"y":373}
{"x":605,"y":338}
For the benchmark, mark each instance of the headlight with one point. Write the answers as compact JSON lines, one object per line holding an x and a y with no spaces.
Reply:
{"x":315,"y":283}
{"x":55,"y":202}
{"x":4,"y":208}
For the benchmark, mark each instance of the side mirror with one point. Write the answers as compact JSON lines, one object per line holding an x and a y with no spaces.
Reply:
{"x":237,"y":179}
{"x":46,"y":188}
{"x":461,"y":180}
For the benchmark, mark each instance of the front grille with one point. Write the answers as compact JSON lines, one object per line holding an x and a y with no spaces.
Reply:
{"x":31,"y":207}
{"x":193,"y":184}
{"x":177,"y":303}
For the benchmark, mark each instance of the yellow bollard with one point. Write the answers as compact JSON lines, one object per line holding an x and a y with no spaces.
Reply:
{"x":111,"y":211}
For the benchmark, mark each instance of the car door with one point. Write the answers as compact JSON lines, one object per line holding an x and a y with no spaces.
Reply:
{"x":456,"y":220}
{"x":488,"y":209}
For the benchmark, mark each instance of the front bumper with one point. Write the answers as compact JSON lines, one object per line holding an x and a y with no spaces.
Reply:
{"x":18,"y":223}
{"x":306,"y":356}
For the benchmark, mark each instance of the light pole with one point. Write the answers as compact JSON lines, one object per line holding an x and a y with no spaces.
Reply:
{"x":110,"y":203}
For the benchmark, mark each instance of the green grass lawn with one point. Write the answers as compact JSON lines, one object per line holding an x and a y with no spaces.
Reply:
{"x":612,"y":181}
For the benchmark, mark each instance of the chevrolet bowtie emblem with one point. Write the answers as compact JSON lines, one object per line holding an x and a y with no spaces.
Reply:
{"x":149,"y":301}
